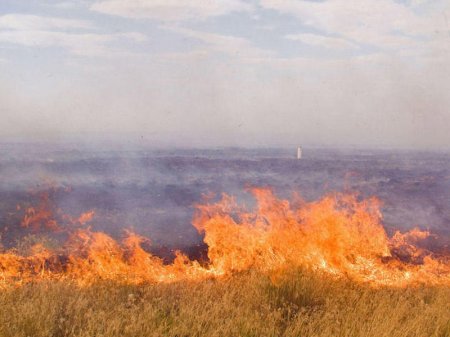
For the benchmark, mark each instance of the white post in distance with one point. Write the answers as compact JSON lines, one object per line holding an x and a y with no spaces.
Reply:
{"x":299,"y":153}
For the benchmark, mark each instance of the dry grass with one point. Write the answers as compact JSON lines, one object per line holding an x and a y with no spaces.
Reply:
{"x":300,"y":304}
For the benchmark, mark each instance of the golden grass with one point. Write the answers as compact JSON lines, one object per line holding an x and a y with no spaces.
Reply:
{"x":249,"y":304}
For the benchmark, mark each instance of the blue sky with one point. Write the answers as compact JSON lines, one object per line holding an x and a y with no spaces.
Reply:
{"x":219,"y":73}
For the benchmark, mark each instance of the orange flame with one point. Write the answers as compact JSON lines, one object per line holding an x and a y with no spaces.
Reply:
{"x":40,"y":217}
{"x":339,"y":235}
{"x":85,"y":217}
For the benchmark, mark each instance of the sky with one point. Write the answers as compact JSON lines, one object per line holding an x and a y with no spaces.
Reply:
{"x":212,"y":73}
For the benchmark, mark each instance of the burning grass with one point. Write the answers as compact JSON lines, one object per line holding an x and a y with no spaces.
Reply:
{"x":285,"y":268}
{"x":339,"y":234}
{"x":298,"y":303}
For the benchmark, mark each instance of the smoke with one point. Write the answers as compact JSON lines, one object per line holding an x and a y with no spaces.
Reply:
{"x":153,"y":192}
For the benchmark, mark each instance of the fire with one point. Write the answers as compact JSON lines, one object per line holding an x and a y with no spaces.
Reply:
{"x":41,"y":216}
{"x":85,"y":217}
{"x":339,"y":234}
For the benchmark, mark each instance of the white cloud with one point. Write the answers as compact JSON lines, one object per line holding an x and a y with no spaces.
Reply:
{"x":382,"y":23}
{"x":170,"y":10}
{"x":230,"y":45}
{"x":80,"y":44}
{"x":134,"y":36}
{"x":39,"y":31}
{"x":322,"y":41}
{"x":34,"y":22}
{"x":70,"y":4}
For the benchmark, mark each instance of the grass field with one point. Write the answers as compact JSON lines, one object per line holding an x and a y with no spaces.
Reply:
{"x":298,"y":303}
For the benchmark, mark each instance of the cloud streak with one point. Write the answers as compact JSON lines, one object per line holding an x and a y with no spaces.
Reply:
{"x":236,"y":47}
{"x":322,"y":41}
{"x":35,"y":22}
{"x":44,"y":31}
{"x":381,"y":23}
{"x":170,"y":10}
